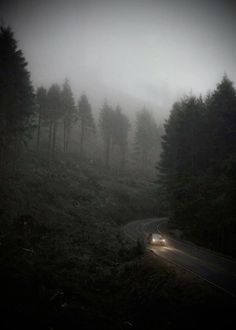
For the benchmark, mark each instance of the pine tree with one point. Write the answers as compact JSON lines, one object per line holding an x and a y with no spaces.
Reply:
{"x":54,"y":113}
{"x":41,"y":99}
{"x":146,"y":138}
{"x":182,"y":156}
{"x":16,"y":94}
{"x":182,"y":138}
{"x":69,"y":112}
{"x":106,"y":123}
{"x":120,"y":132}
{"x":221,"y":116}
{"x":85,"y":117}
{"x":221,"y":120}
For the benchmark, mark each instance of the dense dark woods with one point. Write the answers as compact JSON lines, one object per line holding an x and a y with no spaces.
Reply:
{"x":16,"y":98}
{"x":71,"y":178}
{"x":198,"y":164}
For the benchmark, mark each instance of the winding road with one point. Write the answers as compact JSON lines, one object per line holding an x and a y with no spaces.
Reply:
{"x":218,"y":270}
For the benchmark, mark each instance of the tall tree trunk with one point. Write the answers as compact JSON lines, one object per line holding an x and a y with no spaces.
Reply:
{"x":68,"y":138}
{"x":107,"y":151}
{"x":16,"y":150}
{"x":54,"y":140}
{"x":144,"y":160}
{"x":50,"y":140}
{"x":65,"y":135}
{"x":82,"y":140}
{"x":39,"y":131}
{"x":192,"y":151}
{"x":123,"y":157}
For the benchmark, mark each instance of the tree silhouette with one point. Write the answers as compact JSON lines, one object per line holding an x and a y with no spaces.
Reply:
{"x":41,"y":99}
{"x":120,"y":130}
{"x":16,"y":94}
{"x":146,"y":137}
{"x":69,"y":112}
{"x":86,"y":120}
{"x":55,"y":112}
{"x":106,"y":123}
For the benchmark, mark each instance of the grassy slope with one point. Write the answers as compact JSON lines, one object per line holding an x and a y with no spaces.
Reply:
{"x":65,"y":264}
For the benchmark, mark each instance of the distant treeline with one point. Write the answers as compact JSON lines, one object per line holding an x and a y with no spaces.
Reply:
{"x":198,"y":167}
{"x":71,"y":128}
{"x":53,"y":124}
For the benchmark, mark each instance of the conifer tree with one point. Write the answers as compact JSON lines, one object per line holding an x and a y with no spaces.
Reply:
{"x":106,"y":123}
{"x":86,"y":121}
{"x":120,"y":130}
{"x":16,"y":94}
{"x":221,"y":116}
{"x":55,"y":112}
{"x":146,"y":137}
{"x":182,"y":157}
{"x":69,"y":113}
{"x":41,"y":100}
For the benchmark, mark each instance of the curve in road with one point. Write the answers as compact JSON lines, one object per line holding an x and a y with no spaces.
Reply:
{"x":217,"y":270}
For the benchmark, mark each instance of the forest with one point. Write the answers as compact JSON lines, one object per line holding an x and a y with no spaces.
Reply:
{"x":71,"y":179}
{"x":57,"y":125}
{"x":198,"y":167}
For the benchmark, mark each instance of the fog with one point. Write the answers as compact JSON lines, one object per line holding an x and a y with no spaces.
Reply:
{"x":133,"y":53}
{"x":116,"y":212}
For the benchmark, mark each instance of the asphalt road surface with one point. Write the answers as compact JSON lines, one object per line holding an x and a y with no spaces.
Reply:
{"x":218,"y":270}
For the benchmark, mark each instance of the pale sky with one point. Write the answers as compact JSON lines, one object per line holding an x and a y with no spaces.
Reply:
{"x":134,"y":52}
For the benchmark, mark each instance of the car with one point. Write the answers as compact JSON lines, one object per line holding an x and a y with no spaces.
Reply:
{"x":156,"y":239}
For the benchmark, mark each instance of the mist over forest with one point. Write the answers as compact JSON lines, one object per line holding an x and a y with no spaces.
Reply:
{"x":117,"y":125}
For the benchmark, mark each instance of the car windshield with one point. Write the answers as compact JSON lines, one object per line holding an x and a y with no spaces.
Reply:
{"x":156,"y":236}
